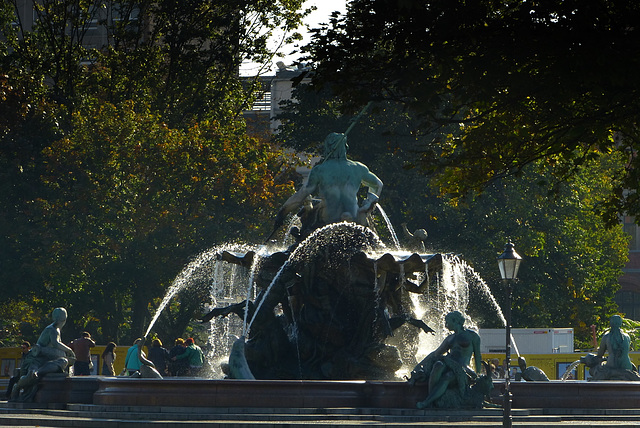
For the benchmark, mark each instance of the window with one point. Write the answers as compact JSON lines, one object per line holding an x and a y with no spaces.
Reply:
{"x":629,"y":304}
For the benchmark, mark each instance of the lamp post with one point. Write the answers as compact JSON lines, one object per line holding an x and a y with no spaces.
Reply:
{"x":508,"y":262}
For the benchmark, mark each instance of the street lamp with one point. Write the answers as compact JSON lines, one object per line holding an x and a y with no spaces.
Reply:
{"x":508,"y":262}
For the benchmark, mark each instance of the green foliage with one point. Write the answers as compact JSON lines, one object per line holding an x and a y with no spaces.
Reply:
{"x":571,"y":260}
{"x":131,"y":200}
{"x":19,"y":322}
{"x":521,"y":81}
{"x":632,"y":328}
{"x":120,"y":163}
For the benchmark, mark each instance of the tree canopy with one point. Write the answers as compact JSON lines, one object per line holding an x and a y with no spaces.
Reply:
{"x":123,"y":156}
{"x":520,"y":80}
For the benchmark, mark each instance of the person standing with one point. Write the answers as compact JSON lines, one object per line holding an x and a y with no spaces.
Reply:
{"x":194,"y":355}
{"x":159,"y":356}
{"x":108,"y":357}
{"x":82,"y":348}
{"x":24,"y":349}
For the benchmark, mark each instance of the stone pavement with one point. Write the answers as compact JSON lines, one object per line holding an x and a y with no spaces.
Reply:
{"x":102,"y":416}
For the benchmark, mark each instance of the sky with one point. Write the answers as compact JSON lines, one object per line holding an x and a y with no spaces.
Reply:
{"x":320,"y":15}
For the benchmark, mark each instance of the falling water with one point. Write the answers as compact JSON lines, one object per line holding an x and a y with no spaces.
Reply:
{"x":309,"y":242}
{"x":572,"y":366}
{"x":482,"y":286}
{"x":257,"y":259}
{"x":478,"y":283}
{"x":390,"y":227}
{"x":515,"y":346}
{"x":446,"y":291}
{"x":182,"y":281}
{"x":264,"y":297}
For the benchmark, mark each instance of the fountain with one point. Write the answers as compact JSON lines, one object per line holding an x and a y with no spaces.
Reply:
{"x":333,"y":318}
{"x":328,"y":317}
{"x":331,"y":308}
{"x":331,"y":302}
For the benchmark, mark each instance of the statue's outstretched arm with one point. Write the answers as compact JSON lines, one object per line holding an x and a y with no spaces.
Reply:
{"x":375,"y":188}
{"x":373,"y":182}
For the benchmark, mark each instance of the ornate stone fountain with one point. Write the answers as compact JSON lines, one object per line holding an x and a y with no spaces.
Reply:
{"x":328,"y":306}
{"x":320,"y":320}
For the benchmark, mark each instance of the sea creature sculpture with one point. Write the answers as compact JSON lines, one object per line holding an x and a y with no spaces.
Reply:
{"x":531,"y":373}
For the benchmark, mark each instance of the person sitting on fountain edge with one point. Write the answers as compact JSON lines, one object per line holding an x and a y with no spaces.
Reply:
{"x":194,"y":355}
{"x":131,"y":361}
{"x":448,"y":366}
{"x":336,"y":180}
{"x":24,"y":349}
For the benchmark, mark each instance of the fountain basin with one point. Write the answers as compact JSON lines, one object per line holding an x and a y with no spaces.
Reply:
{"x":576,"y":394}
{"x":190,"y":392}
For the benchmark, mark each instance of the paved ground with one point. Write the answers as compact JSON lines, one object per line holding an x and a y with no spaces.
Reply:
{"x":90,"y":416}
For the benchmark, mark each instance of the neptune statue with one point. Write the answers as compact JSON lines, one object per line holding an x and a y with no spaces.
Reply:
{"x":330,"y":194}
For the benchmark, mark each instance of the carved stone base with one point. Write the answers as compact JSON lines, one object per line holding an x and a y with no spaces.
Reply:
{"x":60,"y":388}
{"x":189,"y":392}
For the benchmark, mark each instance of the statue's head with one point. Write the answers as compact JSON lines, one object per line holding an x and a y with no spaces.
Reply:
{"x":454,"y":318}
{"x":335,"y":146}
{"x":59,"y":315}
{"x":615,"y":321}
{"x":421,"y":234}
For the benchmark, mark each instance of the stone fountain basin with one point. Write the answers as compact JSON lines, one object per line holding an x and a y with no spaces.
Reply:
{"x":190,"y":392}
{"x":577,"y":394}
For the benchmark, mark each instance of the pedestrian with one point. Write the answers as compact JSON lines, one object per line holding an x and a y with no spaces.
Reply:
{"x":177,"y":367}
{"x":24,"y":349}
{"x":82,"y":348}
{"x":194,"y":355}
{"x":108,"y":357}
{"x":159,"y":356}
{"x":132,"y":362}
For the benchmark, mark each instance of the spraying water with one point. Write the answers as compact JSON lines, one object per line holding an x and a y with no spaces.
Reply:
{"x":570,"y":369}
{"x":183,"y":280}
{"x":441,"y":292}
{"x":392,"y":231}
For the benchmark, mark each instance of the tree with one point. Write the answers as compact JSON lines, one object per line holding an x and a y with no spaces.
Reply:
{"x":116,"y":160}
{"x":132,"y":200}
{"x":523,"y":81}
{"x":181,"y":57}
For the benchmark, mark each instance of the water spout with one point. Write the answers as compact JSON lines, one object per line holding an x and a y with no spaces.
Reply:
{"x":571,"y":367}
{"x":392,"y":231}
